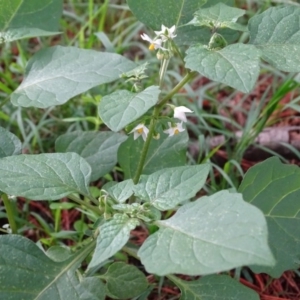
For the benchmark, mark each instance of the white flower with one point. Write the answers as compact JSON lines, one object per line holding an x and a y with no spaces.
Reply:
{"x":166,"y":33}
{"x":138,"y":130}
{"x":179,"y":113}
{"x":174,"y":130}
{"x":154,"y":43}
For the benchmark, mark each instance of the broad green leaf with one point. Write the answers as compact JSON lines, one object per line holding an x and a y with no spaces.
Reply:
{"x":163,"y":153}
{"x":214,"y":2}
{"x":155,"y":13}
{"x":167,"y":188}
{"x":235,"y":65}
{"x":55,"y":75}
{"x":274,"y":188}
{"x":27,"y":273}
{"x":189,"y":34}
{"x":123,"y":107}
{"x":113,"y":235}
{"x":210,"y":235}
{"x":94,"y":289}
{"x":99,"y":149}
{"x":276,"y":32}
{"x":124,"y":281}
{"x":23,"y":19}
{"x":44,"y":176}
{"x":119,"y":191}
{"x":214,"y":287}
{"x":9,"y":144}
{"x":218,"y":16}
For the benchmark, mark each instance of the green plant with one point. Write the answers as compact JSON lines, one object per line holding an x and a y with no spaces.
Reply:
{"x":204,"y":236}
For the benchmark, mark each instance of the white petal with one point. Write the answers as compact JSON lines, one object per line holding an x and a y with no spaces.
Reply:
{"x":183,"y":109}
{"x":145,"y":37}
{"x":180,"y":127}
{"x":136,"y":135}
{"x":172,"y":29}
{"x":180,"y":115}
{"x":145,"y":129}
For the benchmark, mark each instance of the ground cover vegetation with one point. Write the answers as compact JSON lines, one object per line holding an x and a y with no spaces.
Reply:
{"x":145,"y":149}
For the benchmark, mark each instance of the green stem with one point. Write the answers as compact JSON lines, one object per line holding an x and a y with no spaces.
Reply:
{"x":10,"y":213}
{"x":92,"y":199}
{"x":80,"y":202}
{"x":145,"y":148}
{"x":157,"y":109}
{"x":132,"y":252}
{"x":189,"y":76}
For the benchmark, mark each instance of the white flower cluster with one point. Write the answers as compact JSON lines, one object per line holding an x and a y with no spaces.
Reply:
{"x":161,"y":36}
{"x":179,"y":113}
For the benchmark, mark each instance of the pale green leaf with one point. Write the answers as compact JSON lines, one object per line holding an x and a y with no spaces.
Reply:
{"x":99,"y":149}
{"x":236,"y":65}
{"x":123,"y":107}
{"x":189,"y":34}
{"x":276,"y":32}
{"x":44,"y":176}
{"x":55,"y":75}
{"x":27,"y":273}
{"x":218,"y":16}
{"x":22,"y":33}
{"x":59,"y":253}
{"x":113,"y":235}
{"x":211,"y":235}
{"x":163,"y":153}
{"x":274,"y":188}
{"x":167,"y":188}
{"x":22,"y":19}
{"x":124,"y":281}
{"x":9,"y":144}
{"x":214,"y":287}
{"x":119,"y":191}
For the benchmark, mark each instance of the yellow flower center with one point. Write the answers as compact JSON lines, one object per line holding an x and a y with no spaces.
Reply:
{"x":176,"y":131}
{"x":140,"y":130}
{"x":151,"y":47}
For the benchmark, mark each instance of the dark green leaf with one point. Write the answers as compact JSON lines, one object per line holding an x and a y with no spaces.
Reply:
{"x":27,"y":273}
{"x":22,"y":19}
{"x":276,"y":32}
{"x":163,"y":153}
{"x":274,"y":188}
{"x":155,"y":13}
{"x":99,"y":149}
{"x":124,"y":281}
